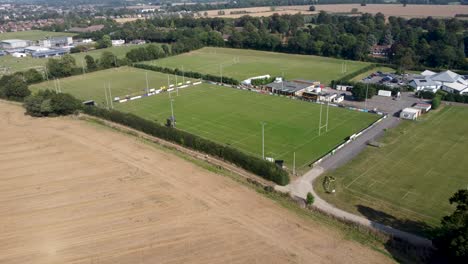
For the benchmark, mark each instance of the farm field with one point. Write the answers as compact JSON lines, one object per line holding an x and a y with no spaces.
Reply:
{"x":20,"y":64}
{"x":407,"y":183}
{"x":33,"y":35}
{"x":77,"y":192}
{"x":233,"y":117}
{"x":242,"y":64}
{"x":123,"y":81}
{"x":410,"y":11}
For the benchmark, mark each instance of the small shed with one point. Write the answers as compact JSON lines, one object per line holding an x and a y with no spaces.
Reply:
{"x":423,"y":107}
{"x":344,"y":87}
{"x":385,"y":93}
{"x":410,"y":113}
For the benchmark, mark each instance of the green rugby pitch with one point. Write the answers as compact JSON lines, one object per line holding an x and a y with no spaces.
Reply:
{"x":123,"y":81}
{"x":407,"y":183}
{"x":226,"y":115}
{"x":242,"y":64}
{"x":233,"y":117}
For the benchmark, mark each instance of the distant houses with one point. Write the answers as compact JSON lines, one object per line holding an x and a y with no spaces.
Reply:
{"x":448,"y":81}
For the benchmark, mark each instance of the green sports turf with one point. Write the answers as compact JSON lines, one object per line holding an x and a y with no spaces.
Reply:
{"x":124,"y":81}
{"x":242,"y":64}
{"x":233,"y":117}
{"x":33,"y":35}
{"x":22,"y":64}
{"x":407,"y":183}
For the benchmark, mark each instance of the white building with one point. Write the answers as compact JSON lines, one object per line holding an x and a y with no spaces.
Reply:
{"x":447,"y":80}
{"x":410,"y":113}
{"x":19,"y":55}
{"x":425,"y":84}
{"x":118,"y":42}
{"x":14,"y":43}
{"x":32,"y":49}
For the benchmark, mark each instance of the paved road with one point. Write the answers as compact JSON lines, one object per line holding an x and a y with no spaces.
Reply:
{"x":301,"y":186}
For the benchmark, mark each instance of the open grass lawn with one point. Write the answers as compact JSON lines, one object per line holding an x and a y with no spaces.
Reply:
{"x":407,"y":183}
{"x":33,"y":35}
{"x":22,"y":64}
{"x":124,"y":81}
{"x":233,"y":117}
{"x":242,"y":64}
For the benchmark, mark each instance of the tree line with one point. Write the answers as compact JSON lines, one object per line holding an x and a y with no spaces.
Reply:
{"x":189,"y":74}
{"x":414,"y":43}
{"x":260,"y":167}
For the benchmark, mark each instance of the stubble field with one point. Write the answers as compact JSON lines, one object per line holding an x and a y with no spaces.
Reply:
{"x":409,"y":11}
{"x":72,"y":192}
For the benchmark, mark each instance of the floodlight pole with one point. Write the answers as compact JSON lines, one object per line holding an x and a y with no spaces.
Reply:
{"x":110,"y":96}
{"x":147,"y":84}
{"x":82,"y":65}
{"x":183,"y":75}
{"x":172,"y":113}
{"x":367,"y":91}
{"x":221,"y":71}
{"x":328,"y":107}
{"x":176,"y":85}
{"x":320,"y":119}
{"x":294,"y":163}
{"x":263,"y":140}
{"x":105,"y":94}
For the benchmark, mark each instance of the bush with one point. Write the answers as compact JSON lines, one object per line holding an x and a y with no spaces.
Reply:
{"x":255,"y":165}
{"x":13,"y":87}
{"x":50,"y":103}
{"x":263,"y":81}
{"x":310,"y":198}
{"x":436,"y":102}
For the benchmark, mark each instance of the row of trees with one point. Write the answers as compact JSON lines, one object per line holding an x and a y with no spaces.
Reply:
{"x":189,"y":74}
{"x":413,"y":43}
{"x":67,"y":66}
{"x":150,"y":52}
{"x":256,"y":165}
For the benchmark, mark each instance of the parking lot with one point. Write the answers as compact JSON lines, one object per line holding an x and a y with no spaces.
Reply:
{"x":378,"y":103}
{"x":392,"y":80}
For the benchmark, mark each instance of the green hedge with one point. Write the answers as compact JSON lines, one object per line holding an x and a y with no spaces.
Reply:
{"x":188,"y":74}
{"x":350,"y":76}
{"x":255,"y":165}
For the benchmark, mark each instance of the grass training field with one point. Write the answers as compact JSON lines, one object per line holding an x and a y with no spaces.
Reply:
{"x":124,"y":81}
{"x":407,"y":183}
{"x":33,"y":35}
{"x":242,"y":64}
{"x":233,"y":117}
{"x":21,"y":64}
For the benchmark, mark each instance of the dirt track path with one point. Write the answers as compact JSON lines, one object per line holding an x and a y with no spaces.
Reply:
{"x":71,"y":192}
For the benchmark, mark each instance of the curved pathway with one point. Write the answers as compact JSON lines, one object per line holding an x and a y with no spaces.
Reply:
{"x":301,"y":186}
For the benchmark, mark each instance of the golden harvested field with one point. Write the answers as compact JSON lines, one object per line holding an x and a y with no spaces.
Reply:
{"x":72,"y":192}
{"x":388,"y":10}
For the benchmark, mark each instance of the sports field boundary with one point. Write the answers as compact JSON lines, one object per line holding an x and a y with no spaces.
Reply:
{"x":351,"y":139}
{"x":405,"y":247}
{"x":193,"y":153}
